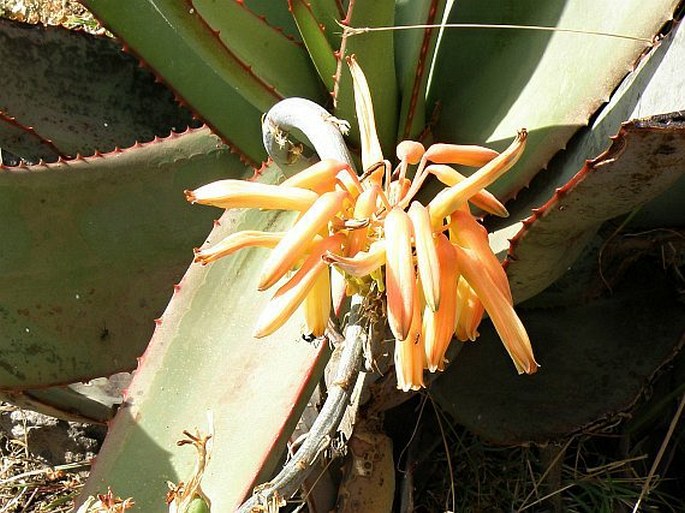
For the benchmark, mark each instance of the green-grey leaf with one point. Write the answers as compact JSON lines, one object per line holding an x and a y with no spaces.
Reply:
{"x":490,"y":83}
{"x":374,"y":52}
{"x":79,"y":93}
{"x":273,"y":58}
{"x":178,"y":45}
{"x":315,"y":39}
{"x":276,"y":14}
{"x":23,"y":142}
{"x":414,"y":53}
{"x":595,"y":361}
{"x":645,"y":159}
{"x":203,"y":358}
{"x":666,"y":210}
{"x":91,"y":249}
{"x":329,"y":13}
{"x":61,"y":402}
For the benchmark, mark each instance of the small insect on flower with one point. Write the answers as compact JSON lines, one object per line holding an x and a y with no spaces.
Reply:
{"x":431,"y":262}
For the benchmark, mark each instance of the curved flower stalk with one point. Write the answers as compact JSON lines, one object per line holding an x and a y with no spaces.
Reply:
{"x":432,"y":261}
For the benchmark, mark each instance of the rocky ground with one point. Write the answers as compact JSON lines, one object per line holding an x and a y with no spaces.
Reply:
{"x":44,"y":460}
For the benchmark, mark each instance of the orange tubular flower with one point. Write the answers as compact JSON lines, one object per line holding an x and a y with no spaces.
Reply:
{"x":317,"y":305}
{"x":298,"y":288}
{"x":236,"y":241}
{"x":409,"y":351}
{"x":286,"y":253}
{"x":433,"y":262}
{"x":320,"y":177}
{"x":242,"y":194}
{"x":364,"y":263}
{"x":451,"y":199}
{"x":470,"y":311}
{"x":507,"y":323}
{"x":469,"y":233}
{"x":426,"y":254}
{"x":482,"y":199}
{"x":439,"y":325}
{"x":400,"y":276}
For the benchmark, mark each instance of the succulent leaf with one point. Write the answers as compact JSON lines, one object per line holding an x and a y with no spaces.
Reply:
{"x":414,"y":53}
{"x":373,"y":52}
{"x":61,"y":402}
{"x":612,"y":347}
{"x":24,"y":142}
{"x":275,"y":59}
{"x":545,"y":82}
{"x":315,"y":38}
{"x":595,"y":180}
{"x":328,"y":14}
{"x":103,"y":238}
{"x":204,"y":342}
{"x":633,"y":170}
{"x":276,"y":14}
{"x":78,"y":93}
{"x":91,"y":248}
{"x":596,"y":358}
{"x":183,"y":51}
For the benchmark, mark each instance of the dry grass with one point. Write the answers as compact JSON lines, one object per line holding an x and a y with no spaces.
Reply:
{"x":600,"y":472}
{"x":68,"y":13}
{"x":29,"y":485}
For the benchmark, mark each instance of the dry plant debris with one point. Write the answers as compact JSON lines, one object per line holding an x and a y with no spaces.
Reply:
{"x":68,"y":13}
{"x":29,"y":485}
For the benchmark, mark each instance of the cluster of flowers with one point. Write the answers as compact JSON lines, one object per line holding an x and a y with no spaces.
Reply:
{"x":432,"y":261}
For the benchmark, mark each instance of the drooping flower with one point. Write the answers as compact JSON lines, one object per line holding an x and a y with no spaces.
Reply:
{"x":432,"y":262}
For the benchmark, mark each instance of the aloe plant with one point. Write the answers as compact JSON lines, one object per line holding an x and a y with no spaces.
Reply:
{"x":79,"y":295}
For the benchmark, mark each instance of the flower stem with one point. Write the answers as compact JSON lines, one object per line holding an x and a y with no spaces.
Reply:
{"x":271,"y":495}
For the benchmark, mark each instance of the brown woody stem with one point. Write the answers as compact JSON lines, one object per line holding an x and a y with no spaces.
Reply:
{"x":269,"y":496}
